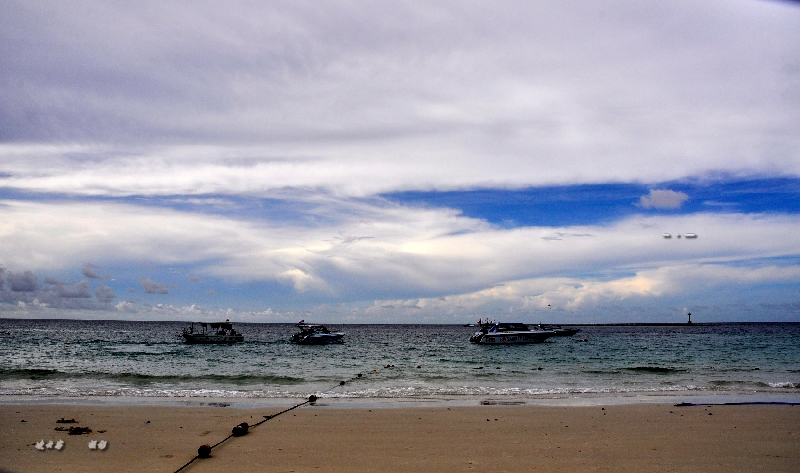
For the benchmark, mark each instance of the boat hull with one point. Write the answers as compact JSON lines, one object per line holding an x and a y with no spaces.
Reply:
{"x":566,"y":332}
{"x":201,"y":339}
{"x":319,"y":338}
{"x":512,"y":338}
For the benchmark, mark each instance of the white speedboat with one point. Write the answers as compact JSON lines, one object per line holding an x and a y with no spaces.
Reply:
{"x":507,"y":333}
{"x":315,"y":334}
{"x":559,"y":330}
{"x":211,"y":333}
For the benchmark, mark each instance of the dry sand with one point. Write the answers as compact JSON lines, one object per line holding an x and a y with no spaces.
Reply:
{"x":636,"y":437}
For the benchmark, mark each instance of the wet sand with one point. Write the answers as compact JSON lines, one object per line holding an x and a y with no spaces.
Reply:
{"x":633,"y":437}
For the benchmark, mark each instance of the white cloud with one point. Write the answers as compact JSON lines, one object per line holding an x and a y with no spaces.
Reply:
{"x":362,"y":250}
{"x":663,"y":199}
{"x":571,"y":298}
{"x":126,"y":307}
{"x":299,"y":280}
{"x":655,"y":295}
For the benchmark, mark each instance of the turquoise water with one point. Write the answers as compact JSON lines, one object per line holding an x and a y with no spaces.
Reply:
{"x":63,"y":359}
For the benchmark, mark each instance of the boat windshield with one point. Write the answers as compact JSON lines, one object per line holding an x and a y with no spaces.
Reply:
{"x":510,"y":327}
{"x":313,"y":328}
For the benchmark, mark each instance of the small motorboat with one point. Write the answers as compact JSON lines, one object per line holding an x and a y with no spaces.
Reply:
{"x":212,"y":333}
{"x":560,"y":331}
{"x":315,"y":334}
{"x":508,"y":333}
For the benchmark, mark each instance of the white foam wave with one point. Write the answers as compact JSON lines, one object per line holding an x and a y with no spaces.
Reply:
{"x":388,"y":392}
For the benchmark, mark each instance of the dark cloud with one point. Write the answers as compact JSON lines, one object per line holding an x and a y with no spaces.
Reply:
{"x":52,"y":293}
{"x":152,"y":287}
{"x":70,"y":291}
{"x":22,"y":282}
{"x":104,"y":294}
{"x":90,"y":271}
{"x":67,"y":290}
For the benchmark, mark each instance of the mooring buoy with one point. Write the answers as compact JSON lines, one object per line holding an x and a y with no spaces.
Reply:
{"x":204,"y":451}
{"x":240,"y":429}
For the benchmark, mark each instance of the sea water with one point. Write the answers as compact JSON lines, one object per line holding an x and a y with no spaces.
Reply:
{"x":130,"y":361}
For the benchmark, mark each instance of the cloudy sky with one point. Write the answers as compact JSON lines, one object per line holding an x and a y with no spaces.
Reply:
{"x":431,"y":161}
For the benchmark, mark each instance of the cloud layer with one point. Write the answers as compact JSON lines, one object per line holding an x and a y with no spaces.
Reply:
{"x":363,"y":98}
{"x":429,"y":258}
{"x":175,"y":160}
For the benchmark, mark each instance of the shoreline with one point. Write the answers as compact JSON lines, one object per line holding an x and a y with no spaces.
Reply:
{"x":624,"y":437}
{"x":572,"y":400}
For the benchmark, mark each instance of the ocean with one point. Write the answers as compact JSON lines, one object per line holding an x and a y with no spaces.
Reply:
{"x":123,"y":361}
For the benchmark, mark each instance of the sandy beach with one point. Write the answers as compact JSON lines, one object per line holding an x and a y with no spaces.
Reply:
{"x":634,"y":437}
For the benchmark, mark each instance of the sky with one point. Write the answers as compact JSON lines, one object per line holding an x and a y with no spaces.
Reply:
{"x":400,"y":162}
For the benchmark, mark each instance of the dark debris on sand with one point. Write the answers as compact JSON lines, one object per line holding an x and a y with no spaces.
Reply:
{"x":75,"y":430}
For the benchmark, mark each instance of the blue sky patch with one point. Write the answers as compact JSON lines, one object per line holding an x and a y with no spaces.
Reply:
{"x":592,"y":204}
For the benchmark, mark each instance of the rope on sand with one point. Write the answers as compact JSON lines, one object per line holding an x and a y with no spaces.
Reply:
{"x":748,"y":403}
{"x":241,"y":429}
{"x":204,"y":451}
